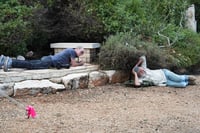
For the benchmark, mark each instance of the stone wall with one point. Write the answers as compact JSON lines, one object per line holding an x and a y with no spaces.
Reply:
{"x":34,"y":82}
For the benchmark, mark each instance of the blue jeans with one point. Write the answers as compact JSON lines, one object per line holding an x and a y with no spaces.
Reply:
{"x":33,"y":64}
{"x":175,"y":80}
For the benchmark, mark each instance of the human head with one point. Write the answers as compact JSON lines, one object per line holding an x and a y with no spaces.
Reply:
{"x":79,"y":51}
{"x":140,"y":71}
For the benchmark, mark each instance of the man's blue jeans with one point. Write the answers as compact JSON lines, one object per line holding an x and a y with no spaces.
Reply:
{"x":175,"y":80}
{"x":33,"y":64}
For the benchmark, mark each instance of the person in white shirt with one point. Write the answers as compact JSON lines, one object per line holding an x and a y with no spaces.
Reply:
{"x":159,"y":77}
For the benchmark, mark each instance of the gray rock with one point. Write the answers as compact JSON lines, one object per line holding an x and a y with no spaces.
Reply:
{"x":17,"y":75}
{"x":98,"y":78}
{"x":7,"y":89}
{"x":33,"y":87}
{"x":76,"y":81}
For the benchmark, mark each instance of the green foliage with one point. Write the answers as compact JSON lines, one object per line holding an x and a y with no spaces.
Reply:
{"x":123,"y":50}
{"x":14,"y":27}
{"x":114,"y":14}
{"x":160,"y":22}
{"x":187,"y":49}
{"x":145,"y":17}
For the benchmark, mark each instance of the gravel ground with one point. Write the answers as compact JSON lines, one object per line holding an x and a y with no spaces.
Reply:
{"x":107,"y":109}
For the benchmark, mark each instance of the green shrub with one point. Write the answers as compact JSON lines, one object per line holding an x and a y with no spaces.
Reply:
{"x":187,"y":49}
{"x":14,"y":27}
{"x":121,"y":52}
{"x":141,"y":16}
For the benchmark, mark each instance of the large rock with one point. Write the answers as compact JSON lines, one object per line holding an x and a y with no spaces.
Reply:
{"x":56,"y":80}
{"x":117,"y":76}
{"x":6,"y":89}
{"x":18,"y":75}
{"x":76,"y":81}
{"x":33,"y":87}
{"x":110,"y":74}
{"x":98,"y":78}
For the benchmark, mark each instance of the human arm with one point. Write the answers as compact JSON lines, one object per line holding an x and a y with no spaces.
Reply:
{"x":141,"y":62}
{"x":136,"y":81}
{"x":74,"y":63}
{"x":139,"y":70}
{"x":74,"y":54}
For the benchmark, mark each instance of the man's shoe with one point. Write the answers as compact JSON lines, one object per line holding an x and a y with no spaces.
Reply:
{"x":192,"y":83}
{"x":6,"y":63}
{"x":191,"y":80}
{"x":2,"y":59}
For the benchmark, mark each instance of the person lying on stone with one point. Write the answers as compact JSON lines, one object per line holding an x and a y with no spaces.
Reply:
{"x":63,"y":59}
{"x":159,"y":77}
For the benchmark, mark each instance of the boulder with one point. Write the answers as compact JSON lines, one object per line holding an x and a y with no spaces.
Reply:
{"x":76,"y":81}
{"x":117,"y":76}
{"x":33,"y":87}
{"x":98,"y":78}
{"x":6,"y":89}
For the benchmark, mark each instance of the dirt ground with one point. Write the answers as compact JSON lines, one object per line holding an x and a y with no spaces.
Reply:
{"x":107,"y":109}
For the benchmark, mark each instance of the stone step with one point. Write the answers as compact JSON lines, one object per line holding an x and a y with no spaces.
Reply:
{"x":16,"y":75}
{"x":33,"y":82}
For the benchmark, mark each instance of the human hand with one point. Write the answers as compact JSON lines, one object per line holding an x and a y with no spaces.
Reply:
{"x":133,"y":71}
{"x":81,"y":62}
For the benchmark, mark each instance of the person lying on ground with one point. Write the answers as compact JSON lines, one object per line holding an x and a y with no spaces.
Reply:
{"x":159,"y":77}
{"x":63,"y":59}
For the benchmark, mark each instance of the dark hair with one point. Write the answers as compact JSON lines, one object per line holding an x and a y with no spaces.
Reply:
{"x":136,"y":69}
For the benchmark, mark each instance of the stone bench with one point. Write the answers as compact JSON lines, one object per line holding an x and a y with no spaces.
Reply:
{"x":91,"y":49}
